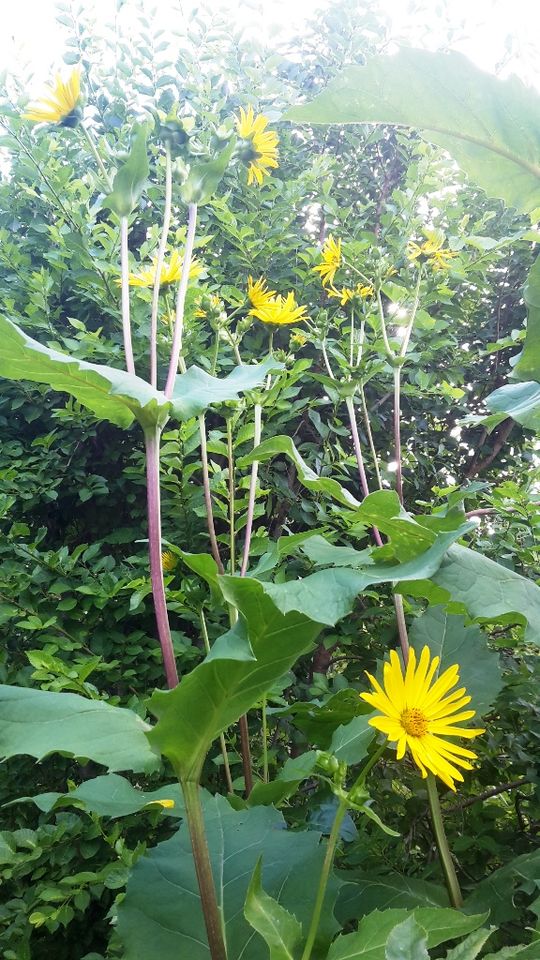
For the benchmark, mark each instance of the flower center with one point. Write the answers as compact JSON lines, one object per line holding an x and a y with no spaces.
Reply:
{"x":414,"y":722}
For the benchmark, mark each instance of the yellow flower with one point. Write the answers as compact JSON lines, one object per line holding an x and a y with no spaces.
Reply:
{"x":432,"y":250}
{"x":262,"y":153}
{"x":361,"y":291}
{"x":61,"y":104}
{"x":214,"y":306}
{"x":170,"y":273}
{"x":419,"y":714}
{"x":331,"y":254}
{"x":280,"y":310}
{"x":298,"y":340}
{"x":166,"y":804}
{"x":258,"y":293}
{"x":168,"y":561}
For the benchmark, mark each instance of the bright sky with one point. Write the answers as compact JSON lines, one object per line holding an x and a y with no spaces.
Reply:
{"x":480,"y":28}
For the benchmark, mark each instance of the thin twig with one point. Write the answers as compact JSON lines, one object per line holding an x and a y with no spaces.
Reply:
{"x":180,"y":301}
{"x":159,"y":265}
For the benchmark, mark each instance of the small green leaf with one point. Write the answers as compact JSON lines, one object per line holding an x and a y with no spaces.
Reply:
{"x":279,"y":929}
{"x":131,"y":177}
{"x":350,"y":742}
{"x":204,"y":178}
{"x":407,"y":941}
{"x":37,"y":722}
{"x":471,"y":947}
{"x":369,"y":942}
{"x":109,"y":796}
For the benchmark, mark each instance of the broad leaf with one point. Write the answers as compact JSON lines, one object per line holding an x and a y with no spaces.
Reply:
{"x":491,"y":127}
{"x":109,"y":796}
{"x":161,"y":915}
{"x":279,"y":929}
{"x":471,"y":947}
{"x":448,"y":638}
{"x":217,"y":692}
{"x":131,"y":176}
{"x":37,"y":722}
{"x":286,"y":783}
{"x":195,"y":390}
{"x":496,"y":892}
{"x":407,"y":941}
{"x":350,"y":742}
{"x":318,"y":721}
{"x":522,"y":952}
{"x":369,"y":942}
{"x":521,"y":401}
{"x":329,"y":595}
{"x":369,"y":893}
{"x":109,"y":393}
{"x":527,"y":366}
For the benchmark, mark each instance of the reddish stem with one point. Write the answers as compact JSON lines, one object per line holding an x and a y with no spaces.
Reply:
{"x":154,"y":550}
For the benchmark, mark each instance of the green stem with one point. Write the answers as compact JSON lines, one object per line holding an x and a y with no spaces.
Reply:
{"x":452,"y":882}
{"x":232,"y":506}
{"x":212,"y":915}
{"x":323,"y":880}
{"x":264,"y":740}
{"x":215,"y":355}
{"x":95,"y":152}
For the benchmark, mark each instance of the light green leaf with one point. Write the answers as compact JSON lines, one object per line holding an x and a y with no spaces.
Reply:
{"x":109,"y":393}
{"x":204,"y":178}
{"x":491,"y":127}
{"x":196,"y":390}
{"x":109,"y":796}
{"x":407,"y":941}
{"x":369,"y":942}
{"x":329,"y":595}
{"x":351,"y":741}
{"x":287,"y":782}
{"x":522,"y":952}
{"x":471,"y":947}
{"x":279,"y":929}
{"x":527,"y":366}
{"x":369,"y":893}
{"x":217,"y":692}
{"x":37,"y":723}
{"x":448,"y":638}
{"x":521,"y":401}
{"x":161,"y":915}
{"x":131,"y":177}
{"x":490,"y":592}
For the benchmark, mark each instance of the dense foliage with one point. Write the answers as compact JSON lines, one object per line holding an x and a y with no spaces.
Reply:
{"x":76,"y":613}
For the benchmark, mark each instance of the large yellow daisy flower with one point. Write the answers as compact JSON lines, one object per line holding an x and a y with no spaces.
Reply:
{"x":258,"y":293}
{"x":419,"y":714}
{"x":280,"y":310}
{"x":170,"y":272}
{"x":61,"y":104}
{"x":331,"y":262}
{"x":263,"y":154}
{"x":432,"y":251}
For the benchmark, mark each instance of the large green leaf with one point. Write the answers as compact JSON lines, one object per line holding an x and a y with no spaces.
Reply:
{"x":369,"y":942}
{"x":204,"y":177}
{"x":448,"y":638}
{"x":318,"y":721}
{"x":329,"y":595}
{"x":488,"y":591}
{"x":37,"y":722}
{"x":221,"y":689}
{"x":131,"y":175}
{"x":351,"y":741}
{"x":195,"y":390}
{"x":108,"y":796}
{"x":279,"y":929}
{"x":496,"y":892}
{"x":527,"y":366}
{"x":109,"y":393}
{"x":491,"y":127}
{"x":369,"y":893}
{"x":161,"y":914}
{"x":521,"y":401}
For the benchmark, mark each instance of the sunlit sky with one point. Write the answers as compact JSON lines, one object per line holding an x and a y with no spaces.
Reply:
{"x":480,"y":28}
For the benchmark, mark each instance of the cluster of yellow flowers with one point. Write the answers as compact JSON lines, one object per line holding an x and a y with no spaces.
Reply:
{"x":269,"y":307}
{"x":170,"y":272}
{"x":331,"y":262}
{"x":432,"y":251}
{"x":418,"y":712}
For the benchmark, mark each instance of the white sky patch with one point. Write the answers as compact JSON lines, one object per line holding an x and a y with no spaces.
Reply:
{"x":490,"y":32}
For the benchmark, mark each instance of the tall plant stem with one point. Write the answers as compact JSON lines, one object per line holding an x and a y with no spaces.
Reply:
{"x":159,"y":264}
{"x":323,"y":879}
{"x":181,"y":300}
{"x":452,"y":882}
{"x":264,"y":734}
{"x":226,"y":767}
{"x":360,"y":460}
{"x":97,"y":156}
{"x":257,"y":432}
{"x":203,"y":868}
{"x":208,"y":496}
{"x":367,"y":424}
{"x":154,"y":548}
{"x":126,"y":321}
{"x":232,"y":496}
{"x":397,"y":432}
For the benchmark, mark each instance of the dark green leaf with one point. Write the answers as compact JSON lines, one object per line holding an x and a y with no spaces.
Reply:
{"x":109,"y":796}
{"x":204,"y":178}
{"x":369,"y":942}
{"x":131,"y":177}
